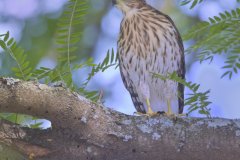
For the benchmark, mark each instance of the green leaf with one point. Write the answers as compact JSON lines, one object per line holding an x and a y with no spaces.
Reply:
{"x":225,"y":74}
{"x":223,"y":16}
{"x":217,"y":18}
{"x":10,"y":42}
{"x":238,"y":65}
{"x":36,"y":125}
{"x":6,"y":36}
{"x":194,"y":4}
{"x":22,"y":68}
{"x":3,"y":45}
{"x":212,"y":20}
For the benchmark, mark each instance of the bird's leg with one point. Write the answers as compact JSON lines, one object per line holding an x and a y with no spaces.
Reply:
{"x":149,"y":109}
{"x":145,"y":91}
{"x":149,"y":112}
{"x":169,"y":111}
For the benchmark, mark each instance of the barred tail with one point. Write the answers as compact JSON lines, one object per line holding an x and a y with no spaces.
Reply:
{"x":135,"y":98}
{"x":131,"y":89}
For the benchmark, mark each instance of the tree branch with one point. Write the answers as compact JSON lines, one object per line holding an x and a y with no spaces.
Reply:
{"x":84,"y":130}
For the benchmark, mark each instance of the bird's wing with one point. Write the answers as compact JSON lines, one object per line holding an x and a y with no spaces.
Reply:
{"x":181,"y":69}
{"x":132,"y":90}
{"x":180,"y":98}
{"x":181,"y":73}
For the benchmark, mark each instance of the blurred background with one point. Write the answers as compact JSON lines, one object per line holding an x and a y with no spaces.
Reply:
{"x":33,"y":23}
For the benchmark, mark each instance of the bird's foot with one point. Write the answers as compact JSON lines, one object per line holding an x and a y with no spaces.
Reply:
{"x":150,"y":112}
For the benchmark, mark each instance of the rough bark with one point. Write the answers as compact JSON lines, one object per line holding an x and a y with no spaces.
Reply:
{"x":84,"y":130}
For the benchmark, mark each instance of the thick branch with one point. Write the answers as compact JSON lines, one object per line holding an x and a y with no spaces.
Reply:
{"x":83,"y":130}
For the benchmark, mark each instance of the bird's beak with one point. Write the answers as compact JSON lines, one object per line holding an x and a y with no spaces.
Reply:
{"x":114,"y":2}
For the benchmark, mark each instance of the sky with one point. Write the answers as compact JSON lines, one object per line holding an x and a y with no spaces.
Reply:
{"x":224,"y":95}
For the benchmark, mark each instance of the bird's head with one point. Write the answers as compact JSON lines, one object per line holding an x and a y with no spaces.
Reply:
{"x":128,"y":5}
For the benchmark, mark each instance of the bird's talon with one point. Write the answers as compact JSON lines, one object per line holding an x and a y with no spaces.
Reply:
{"x":161,"y":112}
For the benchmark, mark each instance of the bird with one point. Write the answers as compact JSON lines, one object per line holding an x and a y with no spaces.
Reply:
{"x":148,"y":43}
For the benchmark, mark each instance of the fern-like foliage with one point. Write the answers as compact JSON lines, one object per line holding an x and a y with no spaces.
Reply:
{"x":92,"y":95}
{"x":220,"y":35}
{"x":22,"y":120}
{"x":193,"y":2}
{"x":69,"y":33}
{"x":22,"y":68}
{"x":70,"y":26}
{"x":109,"y":61}
{"x":197,"y":100}
{"x":56,"y":74}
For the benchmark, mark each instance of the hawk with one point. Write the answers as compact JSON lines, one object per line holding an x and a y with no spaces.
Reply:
{"x":149,"y":42}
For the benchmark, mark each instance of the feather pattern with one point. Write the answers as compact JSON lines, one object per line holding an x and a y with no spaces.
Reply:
{"x":149,"y":42}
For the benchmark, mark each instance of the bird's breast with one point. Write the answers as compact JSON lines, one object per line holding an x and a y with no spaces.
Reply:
{"x":148,"y":44}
